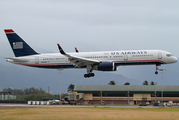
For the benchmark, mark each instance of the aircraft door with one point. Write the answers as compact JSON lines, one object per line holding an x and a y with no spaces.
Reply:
{"x":66,"y":59}
{"x":37,"y":60}
{"x":159,"y":55}
{"x":125,"y":56}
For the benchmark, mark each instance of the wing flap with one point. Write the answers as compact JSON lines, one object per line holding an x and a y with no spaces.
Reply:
{"x":80,"y":61}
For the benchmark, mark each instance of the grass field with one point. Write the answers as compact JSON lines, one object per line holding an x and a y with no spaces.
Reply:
{"x":89,"y":113}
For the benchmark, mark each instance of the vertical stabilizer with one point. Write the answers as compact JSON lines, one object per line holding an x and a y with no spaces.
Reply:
{"x":18,"y":45}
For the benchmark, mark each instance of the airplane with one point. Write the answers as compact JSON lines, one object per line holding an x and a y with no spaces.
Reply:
{"x":101,"y":61}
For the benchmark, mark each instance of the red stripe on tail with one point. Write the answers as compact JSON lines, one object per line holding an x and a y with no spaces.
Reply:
{"x":8,"y":31}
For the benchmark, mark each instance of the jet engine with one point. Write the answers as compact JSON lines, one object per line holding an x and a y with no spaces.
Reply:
{"x":105,"y":66}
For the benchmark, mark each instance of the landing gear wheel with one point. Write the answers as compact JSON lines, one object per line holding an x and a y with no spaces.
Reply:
{"x":92,"y":75}
{"x":85,"y":75}
{"x":156,"y":72}
{"x":89,"y":75}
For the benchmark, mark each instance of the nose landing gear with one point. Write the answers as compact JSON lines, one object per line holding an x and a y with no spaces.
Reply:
{"x":156,"y":72}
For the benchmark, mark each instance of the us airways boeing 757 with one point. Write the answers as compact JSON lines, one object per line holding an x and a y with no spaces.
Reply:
{"x":102,"y":61}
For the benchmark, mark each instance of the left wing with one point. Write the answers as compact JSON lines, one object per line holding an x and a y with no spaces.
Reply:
{"x":78,"y":61}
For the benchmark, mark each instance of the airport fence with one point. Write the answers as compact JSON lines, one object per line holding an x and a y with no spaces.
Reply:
{"x":14,"y":101}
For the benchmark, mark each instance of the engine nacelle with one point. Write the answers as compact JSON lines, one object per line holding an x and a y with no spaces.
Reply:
{"x":105,"y":66}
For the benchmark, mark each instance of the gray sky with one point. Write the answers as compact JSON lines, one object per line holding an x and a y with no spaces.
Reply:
{"x":93,"y":25}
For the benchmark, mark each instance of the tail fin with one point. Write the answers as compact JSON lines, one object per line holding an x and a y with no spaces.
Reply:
{"x":18,"y":45}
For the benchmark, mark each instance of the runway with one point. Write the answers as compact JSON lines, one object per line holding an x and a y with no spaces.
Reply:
{"x":3,"y":105}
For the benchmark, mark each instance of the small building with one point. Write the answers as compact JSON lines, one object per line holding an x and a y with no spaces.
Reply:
{"x":128,"y":94}
{"x":6,"y":96}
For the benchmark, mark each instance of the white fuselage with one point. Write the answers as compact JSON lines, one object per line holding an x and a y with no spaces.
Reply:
{"x":102,"y":61}
{"x":130,"y":57}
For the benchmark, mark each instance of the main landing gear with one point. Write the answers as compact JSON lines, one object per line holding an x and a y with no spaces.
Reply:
{"x":89,"y":75}
{"x":156,"y":72}
{"x":89,"y":71}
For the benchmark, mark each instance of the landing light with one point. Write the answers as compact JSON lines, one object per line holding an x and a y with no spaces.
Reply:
{"x":162,"y":69}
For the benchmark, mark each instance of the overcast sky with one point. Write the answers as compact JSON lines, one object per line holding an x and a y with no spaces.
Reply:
{"x":94,"y":24}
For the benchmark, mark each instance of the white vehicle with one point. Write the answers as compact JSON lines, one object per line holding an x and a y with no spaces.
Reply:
{"x":102,"y":61}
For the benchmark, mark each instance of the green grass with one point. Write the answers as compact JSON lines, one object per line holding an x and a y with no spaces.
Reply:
{"x":88,"y":113}
{"x":160,"y":109}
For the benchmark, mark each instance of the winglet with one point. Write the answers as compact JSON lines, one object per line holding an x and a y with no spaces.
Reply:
{"x":76,"y":50}
{"x":61,"y":50}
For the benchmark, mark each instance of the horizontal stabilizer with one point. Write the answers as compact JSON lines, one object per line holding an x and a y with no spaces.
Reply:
{"x":15,"y":60}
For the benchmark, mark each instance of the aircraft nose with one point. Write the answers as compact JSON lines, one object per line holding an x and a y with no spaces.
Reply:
{"x":175,"y":59}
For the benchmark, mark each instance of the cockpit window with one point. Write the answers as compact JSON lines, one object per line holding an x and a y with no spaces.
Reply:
{"x":168,"y":55}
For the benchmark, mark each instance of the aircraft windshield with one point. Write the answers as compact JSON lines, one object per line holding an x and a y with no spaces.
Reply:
{"x":168,"y":55}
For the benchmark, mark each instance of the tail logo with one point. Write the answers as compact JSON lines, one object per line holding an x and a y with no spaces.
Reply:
{"x":17,"y":45}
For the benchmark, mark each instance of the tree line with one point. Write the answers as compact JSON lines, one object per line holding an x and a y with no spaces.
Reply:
{"x":112,"y":82}
{"x":31,"y":94}
{"x":26,"y":91}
